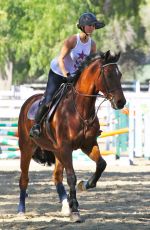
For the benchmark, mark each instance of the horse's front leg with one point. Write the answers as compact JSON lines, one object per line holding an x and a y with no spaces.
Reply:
{"x":71,"y":180}
{"x":95,"y":155}
{"x":58,"y":179}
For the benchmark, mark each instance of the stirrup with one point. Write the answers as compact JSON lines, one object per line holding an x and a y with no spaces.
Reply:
{"x":35,"y":131}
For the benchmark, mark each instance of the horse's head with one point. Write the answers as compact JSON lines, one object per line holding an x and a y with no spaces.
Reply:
{"x":110,"y":80}
{"x":99,"y":72}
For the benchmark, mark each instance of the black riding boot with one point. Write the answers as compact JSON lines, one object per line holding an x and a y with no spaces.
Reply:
{"x":36,"y":129}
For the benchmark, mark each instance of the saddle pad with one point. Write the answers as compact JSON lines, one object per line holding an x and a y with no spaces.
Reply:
{"x":55,"y":101}
{"x":33,"y":109}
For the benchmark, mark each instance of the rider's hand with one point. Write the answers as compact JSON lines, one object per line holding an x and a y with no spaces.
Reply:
{"x":70,"y":78}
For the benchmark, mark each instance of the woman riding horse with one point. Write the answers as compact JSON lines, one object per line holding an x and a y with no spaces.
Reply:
{"x":73,"y":52}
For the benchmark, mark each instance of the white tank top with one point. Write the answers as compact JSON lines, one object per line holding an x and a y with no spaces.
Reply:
{"x":74,"y":58}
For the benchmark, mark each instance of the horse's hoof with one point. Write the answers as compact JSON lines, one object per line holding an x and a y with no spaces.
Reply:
{"x":75,"y":217}
{"x":65,"y":211}
{"x":21,"y":214}
{"x":82,"y":186}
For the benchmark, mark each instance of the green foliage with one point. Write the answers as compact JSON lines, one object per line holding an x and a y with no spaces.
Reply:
{"x":32,"y":31}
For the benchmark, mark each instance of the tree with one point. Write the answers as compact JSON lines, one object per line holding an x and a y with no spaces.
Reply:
{"x":32,"y":31}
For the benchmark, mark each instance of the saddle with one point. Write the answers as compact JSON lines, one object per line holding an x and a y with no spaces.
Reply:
{"x":52,"y":108}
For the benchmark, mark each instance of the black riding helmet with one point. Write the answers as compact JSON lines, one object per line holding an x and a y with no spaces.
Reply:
{"x":87,"y":19}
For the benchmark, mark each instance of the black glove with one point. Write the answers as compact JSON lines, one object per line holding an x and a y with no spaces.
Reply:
{"x":70,"y":78}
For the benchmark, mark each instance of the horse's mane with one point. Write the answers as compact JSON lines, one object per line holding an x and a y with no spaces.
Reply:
{"x":88,"y":60}
{"x":105,"y":57}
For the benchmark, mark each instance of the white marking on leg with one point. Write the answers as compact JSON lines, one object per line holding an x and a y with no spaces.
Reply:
{"x":65,"y":211}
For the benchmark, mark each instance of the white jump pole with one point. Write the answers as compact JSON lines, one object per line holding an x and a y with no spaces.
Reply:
{"x":147,"y":136}
{"x":131,"y":132}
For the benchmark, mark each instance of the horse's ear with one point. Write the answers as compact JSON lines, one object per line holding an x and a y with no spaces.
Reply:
{"x":117,"y":56}
{"x":106,"y":55}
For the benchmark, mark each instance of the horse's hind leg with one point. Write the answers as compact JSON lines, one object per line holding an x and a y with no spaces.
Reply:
{"x":23,"y":182}
{"x":95,"y":155}
{"x":58,"y":179}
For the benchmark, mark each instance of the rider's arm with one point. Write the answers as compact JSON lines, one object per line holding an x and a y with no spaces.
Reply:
{"x":67,"y":46}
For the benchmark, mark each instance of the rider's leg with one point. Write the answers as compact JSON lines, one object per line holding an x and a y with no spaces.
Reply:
{"x":54,"y":82}
{"x":36,"y":129}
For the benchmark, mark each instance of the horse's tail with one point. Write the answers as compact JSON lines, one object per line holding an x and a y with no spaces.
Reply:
{"x":43,"y":157}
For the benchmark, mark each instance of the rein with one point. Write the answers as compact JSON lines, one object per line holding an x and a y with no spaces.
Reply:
{"x":90,"y":120}
{"x":74,"y":91}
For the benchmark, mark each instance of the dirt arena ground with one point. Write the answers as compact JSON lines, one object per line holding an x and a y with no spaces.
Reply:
{"x":121,"y":200}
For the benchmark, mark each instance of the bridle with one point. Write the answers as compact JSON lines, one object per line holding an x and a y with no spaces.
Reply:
{"x":107,"y":97}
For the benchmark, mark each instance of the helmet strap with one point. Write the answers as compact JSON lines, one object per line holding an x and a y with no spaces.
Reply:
{"x":82,"y":28}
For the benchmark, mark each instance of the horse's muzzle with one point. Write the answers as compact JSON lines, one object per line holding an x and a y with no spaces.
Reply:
{"x":118,"y":104}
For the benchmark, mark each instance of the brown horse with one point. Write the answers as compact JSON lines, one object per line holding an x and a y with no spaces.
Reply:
{"x":74,"y":125}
